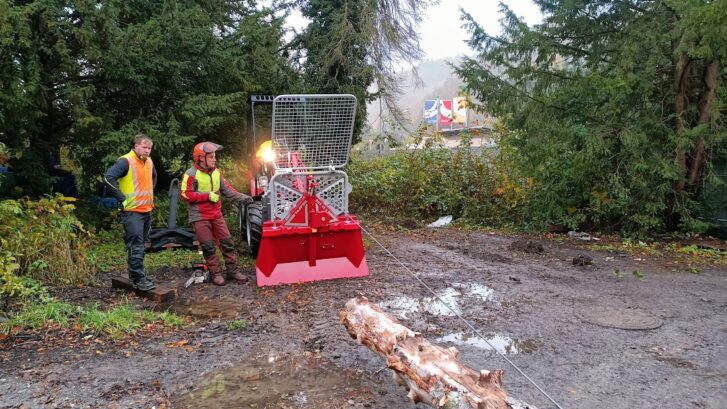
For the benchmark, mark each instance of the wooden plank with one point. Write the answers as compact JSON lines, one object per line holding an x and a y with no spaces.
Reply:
{"x":158,"y":294}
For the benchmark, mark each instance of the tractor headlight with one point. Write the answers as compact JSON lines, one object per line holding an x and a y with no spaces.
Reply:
{"x":268,"y":154}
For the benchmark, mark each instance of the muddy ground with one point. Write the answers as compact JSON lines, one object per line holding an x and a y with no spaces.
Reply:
{"x":553,"y":319}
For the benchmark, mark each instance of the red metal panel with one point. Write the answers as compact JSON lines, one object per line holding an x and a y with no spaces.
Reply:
{"x":299,"y":254}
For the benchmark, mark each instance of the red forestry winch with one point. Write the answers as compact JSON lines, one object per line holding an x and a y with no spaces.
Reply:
{"x":299,"y":226}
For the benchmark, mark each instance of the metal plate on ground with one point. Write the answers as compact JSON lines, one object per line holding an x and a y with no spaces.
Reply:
{"x":621,"y":318}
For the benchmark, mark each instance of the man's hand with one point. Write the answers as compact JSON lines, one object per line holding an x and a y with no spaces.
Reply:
{"x":214,"y":197}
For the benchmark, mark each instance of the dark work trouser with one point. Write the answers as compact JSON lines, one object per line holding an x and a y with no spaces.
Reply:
{"x":214,"y":231}
{"x":136,"y":233}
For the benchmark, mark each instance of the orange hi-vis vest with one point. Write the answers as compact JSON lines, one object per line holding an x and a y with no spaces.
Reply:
{"x":137,"y":185}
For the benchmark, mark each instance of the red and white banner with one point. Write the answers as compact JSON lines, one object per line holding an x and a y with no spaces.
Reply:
{"x":445,"y":112}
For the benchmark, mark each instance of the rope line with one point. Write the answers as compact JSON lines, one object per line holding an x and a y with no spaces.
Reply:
{"x":467,"y":323}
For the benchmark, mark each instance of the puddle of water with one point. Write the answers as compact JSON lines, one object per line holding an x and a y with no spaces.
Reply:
{"x":451,"y":296}
{"x":476,"y":290}
{"x":224,"y":307}
{"x":403,"y":306}
{"x":501,"y":343}
{"x":272,"y":382}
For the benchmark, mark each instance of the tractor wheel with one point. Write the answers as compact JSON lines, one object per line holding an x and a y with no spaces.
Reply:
{"x":254,"y":227}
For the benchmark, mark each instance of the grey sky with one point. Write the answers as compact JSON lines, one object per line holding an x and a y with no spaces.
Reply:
{"x":441,"y":35}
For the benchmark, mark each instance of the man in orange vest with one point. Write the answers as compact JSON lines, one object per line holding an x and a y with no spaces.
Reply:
{"x":132,"y":180}
{"x":200,"y":189}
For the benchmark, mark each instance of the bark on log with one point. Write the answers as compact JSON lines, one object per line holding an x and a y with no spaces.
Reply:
{"x":432,"y":374}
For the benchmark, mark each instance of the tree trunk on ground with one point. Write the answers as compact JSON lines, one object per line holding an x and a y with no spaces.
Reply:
{"x":432,"y":374}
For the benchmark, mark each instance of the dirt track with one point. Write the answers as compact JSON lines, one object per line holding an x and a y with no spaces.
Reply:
{"x":539,"y":309}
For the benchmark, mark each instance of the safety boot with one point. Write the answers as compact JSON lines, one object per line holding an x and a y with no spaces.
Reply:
{"x":143,"y":284}
{"x":235,"y":274}
{"x":217,"y":279}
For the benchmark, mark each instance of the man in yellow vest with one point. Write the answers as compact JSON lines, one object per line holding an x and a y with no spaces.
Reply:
{"x":200,"y":189}
{"x":132,"y":180}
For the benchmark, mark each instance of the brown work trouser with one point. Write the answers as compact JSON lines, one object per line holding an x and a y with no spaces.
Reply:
{"x":214,"y":231}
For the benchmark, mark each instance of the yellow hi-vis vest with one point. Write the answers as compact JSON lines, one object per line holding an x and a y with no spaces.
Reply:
{"x":208,"y":182}
{"x":137,"y":185}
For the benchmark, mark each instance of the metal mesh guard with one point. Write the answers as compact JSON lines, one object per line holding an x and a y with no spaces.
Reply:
{"x":316,"y":128}
{"x":332,"y":190}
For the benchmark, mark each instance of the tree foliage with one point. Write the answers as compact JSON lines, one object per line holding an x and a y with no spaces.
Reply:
{"x":351,"y":44}
{"x":86,"y":76}
{"x":616,"y":105}
{"x":89,"y":75}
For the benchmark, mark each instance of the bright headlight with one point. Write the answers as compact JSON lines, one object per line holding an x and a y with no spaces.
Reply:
{"x":268,"y":155}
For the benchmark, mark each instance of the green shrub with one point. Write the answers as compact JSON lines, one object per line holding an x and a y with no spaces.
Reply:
{"x":46,"y":240}
{"x":14,"y":286}
{"x":473,"y":185}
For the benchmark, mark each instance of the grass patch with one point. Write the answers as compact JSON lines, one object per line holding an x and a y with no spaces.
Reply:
{"x":689,"y":254}
{"x":237,"y":325}
{"x":713,"y":255}
{"x":170,"y":258}
{"x":167,"y":318}
{"x":603,"y":247}
{"x":116,"y":322}
{"x":35,"y":316}
{"x":110,"y":255}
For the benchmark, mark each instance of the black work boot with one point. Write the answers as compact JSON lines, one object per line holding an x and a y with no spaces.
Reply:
{"x":235,"y":274}
{"x":144,"y":284}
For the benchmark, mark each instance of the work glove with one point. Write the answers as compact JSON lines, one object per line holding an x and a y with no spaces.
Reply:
{"x":246,"y":199}
{"x":214,"y":197}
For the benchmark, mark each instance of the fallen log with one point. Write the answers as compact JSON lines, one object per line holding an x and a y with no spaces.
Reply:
{"x":432,"y":374}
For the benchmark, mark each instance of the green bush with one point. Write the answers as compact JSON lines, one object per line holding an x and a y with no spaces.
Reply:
{"x":46,"y":240}
{"x":473,"y":185}
{"x":14,"y":286}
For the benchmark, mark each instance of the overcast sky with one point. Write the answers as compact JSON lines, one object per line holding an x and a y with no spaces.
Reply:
{"x":442,"y":36}
{"x":441,"y":32}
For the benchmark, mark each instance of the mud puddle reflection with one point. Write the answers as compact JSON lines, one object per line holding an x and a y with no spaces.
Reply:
{"x":273,"y":382}
{"x":501,"y":343}
{"x":207,"y":307}
{"x":451,"y":296}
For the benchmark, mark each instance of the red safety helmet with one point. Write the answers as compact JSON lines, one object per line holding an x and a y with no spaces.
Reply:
{"x":202,"y":149}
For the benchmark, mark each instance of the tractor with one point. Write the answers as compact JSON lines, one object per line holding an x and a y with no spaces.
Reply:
{"x":298,"y":227}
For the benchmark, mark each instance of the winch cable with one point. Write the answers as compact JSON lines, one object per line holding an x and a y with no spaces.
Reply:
{"x":467,"y":323}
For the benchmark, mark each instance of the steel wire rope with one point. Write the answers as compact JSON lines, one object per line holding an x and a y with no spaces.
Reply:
{"x":467,"y":323}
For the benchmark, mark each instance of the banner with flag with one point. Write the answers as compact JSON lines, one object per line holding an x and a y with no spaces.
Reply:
{"x":430,"y":111}
{"x":445,"y":112}
{"x":459,"y":110}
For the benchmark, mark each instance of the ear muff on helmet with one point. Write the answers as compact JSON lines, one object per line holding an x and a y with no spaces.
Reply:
{"x":202,"y":149}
